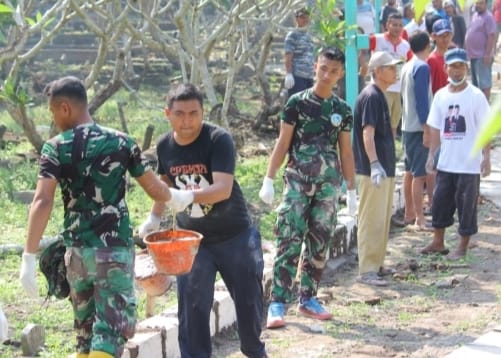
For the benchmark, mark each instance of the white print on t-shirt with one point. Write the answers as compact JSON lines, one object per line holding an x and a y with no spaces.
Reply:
{"x":454,"y":123}
{"x":457,"y":138}
{"x":191,"y":182}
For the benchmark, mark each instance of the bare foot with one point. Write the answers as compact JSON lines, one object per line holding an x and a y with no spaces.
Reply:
{"x":456,"y":255}
{"x":429,"y":250}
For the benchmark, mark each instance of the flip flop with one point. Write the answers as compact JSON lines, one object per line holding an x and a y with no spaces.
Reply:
{"x":430,"y":251}
{"x":421,"y":228}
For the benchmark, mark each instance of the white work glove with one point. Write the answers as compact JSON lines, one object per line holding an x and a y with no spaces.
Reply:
{"x":27,"y":274}
{"x":351,"y":202}
{"x":377,"y":173}
{"x":4,"y":327}
{"x":180,"y":199}
{"x":289,"y":81}
{"x":152,"y":223}
{"x":267,"y":192}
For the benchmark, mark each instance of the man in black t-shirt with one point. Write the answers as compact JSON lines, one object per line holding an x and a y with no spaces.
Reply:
{"x":200,"y":157}
{"x":374,"y":152}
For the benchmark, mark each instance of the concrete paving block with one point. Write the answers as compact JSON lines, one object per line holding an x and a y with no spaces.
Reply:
{"x":165,"y":321}
{"x":25,"y":197}
{"x":170,"y":324}
{"x":491,"y":339}
{"x":486,"y":346}
{"x":32,"y":339}
{"x":146,"y":345}
{"x":224,"y":309}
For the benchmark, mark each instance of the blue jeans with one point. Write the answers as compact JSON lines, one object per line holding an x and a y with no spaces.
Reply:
{"x":481,"y":74}
{"x":239,"y":260}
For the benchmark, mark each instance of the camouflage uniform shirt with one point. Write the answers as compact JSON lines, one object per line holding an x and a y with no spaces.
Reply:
{"x":300,"y":44}
{"x":318,"y":122}
{"x":90,"y":163}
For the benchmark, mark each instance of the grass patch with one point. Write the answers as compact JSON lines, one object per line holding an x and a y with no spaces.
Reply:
{"x":56,"y":315}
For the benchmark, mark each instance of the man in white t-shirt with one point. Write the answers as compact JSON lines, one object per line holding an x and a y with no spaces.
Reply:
{"x":458,"y":172}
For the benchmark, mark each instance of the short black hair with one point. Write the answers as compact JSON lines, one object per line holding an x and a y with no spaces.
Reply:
{"x":419,"y":41}
{"x":70,"y":87}
{"x":184,"y":92}
{"x":429,"y":20}
{"x":394,"y":16}
{"x":332,"y":53}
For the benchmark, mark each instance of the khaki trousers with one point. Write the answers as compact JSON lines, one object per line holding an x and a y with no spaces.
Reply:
{"x":374,"y":216}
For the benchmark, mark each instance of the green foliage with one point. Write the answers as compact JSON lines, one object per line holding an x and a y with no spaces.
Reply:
{"x":327,"y":27}
{"x":13,"y":93}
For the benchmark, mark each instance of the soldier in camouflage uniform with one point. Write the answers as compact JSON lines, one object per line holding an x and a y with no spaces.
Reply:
{"x":90,"y":163}
{"x":314,"y":123}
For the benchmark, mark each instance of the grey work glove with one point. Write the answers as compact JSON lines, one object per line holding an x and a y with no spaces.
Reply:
{"x":377,"y":173}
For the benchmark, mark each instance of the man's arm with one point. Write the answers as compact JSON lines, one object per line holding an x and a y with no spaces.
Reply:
{"x":491,"y":39}
{"x":280,"y":150}
{"x":288,"y":62}
{"x":39,"y":214}
{"x":218,"y":191}
{"x":369,"y":144}
{"x":154,"y":187}
{"x":347,"y":161}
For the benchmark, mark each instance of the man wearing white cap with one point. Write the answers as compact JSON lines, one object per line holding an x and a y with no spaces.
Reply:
{"x":458,"y":173}
{"x":374,"y":151}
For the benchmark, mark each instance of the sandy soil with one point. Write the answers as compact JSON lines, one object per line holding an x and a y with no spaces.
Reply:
{"x":426,"y":312}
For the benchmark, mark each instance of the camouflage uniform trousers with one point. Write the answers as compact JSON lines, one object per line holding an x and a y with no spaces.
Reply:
{"x":306,"y":215}
{"x":103,"y":297}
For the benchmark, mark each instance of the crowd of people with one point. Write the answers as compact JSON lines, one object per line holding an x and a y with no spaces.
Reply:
{"x":418,"y":87}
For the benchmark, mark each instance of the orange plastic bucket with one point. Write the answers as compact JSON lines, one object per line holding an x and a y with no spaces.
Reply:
{"x":173,"y":251}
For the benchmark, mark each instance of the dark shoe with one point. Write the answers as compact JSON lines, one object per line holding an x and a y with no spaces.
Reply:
{"x":385,"y":271}
{"x":399,"y":222}
{"x":372,"y":278}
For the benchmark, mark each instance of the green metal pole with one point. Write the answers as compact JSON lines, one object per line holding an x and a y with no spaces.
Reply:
{"x":377,"y":7}
{"x":351,"y":76}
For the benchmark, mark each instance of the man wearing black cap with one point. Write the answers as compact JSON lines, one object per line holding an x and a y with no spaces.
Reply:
{"x":458,"y":172}
{"x":299,"y":55}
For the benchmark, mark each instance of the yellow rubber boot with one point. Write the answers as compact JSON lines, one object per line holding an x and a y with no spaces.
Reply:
{"x":99,"y":354}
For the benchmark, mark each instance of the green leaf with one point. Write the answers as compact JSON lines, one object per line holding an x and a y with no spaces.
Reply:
{"x":30,"y":21}
{"x":490,"y":128}
{"x":5,"y":9}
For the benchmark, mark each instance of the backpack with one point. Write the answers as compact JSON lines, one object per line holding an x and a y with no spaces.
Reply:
{"x":53,"y":267}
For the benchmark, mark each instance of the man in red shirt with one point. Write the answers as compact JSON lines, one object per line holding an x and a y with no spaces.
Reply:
{"x":442,"y":36}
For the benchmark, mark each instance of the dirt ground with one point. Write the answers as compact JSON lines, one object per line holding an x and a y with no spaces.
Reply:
{"x":431,"y":307}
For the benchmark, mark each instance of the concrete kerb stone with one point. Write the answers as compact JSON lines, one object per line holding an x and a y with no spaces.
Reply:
{"x":156,"y":336}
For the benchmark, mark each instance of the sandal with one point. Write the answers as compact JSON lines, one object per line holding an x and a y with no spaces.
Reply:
{"x":386,"y":271}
